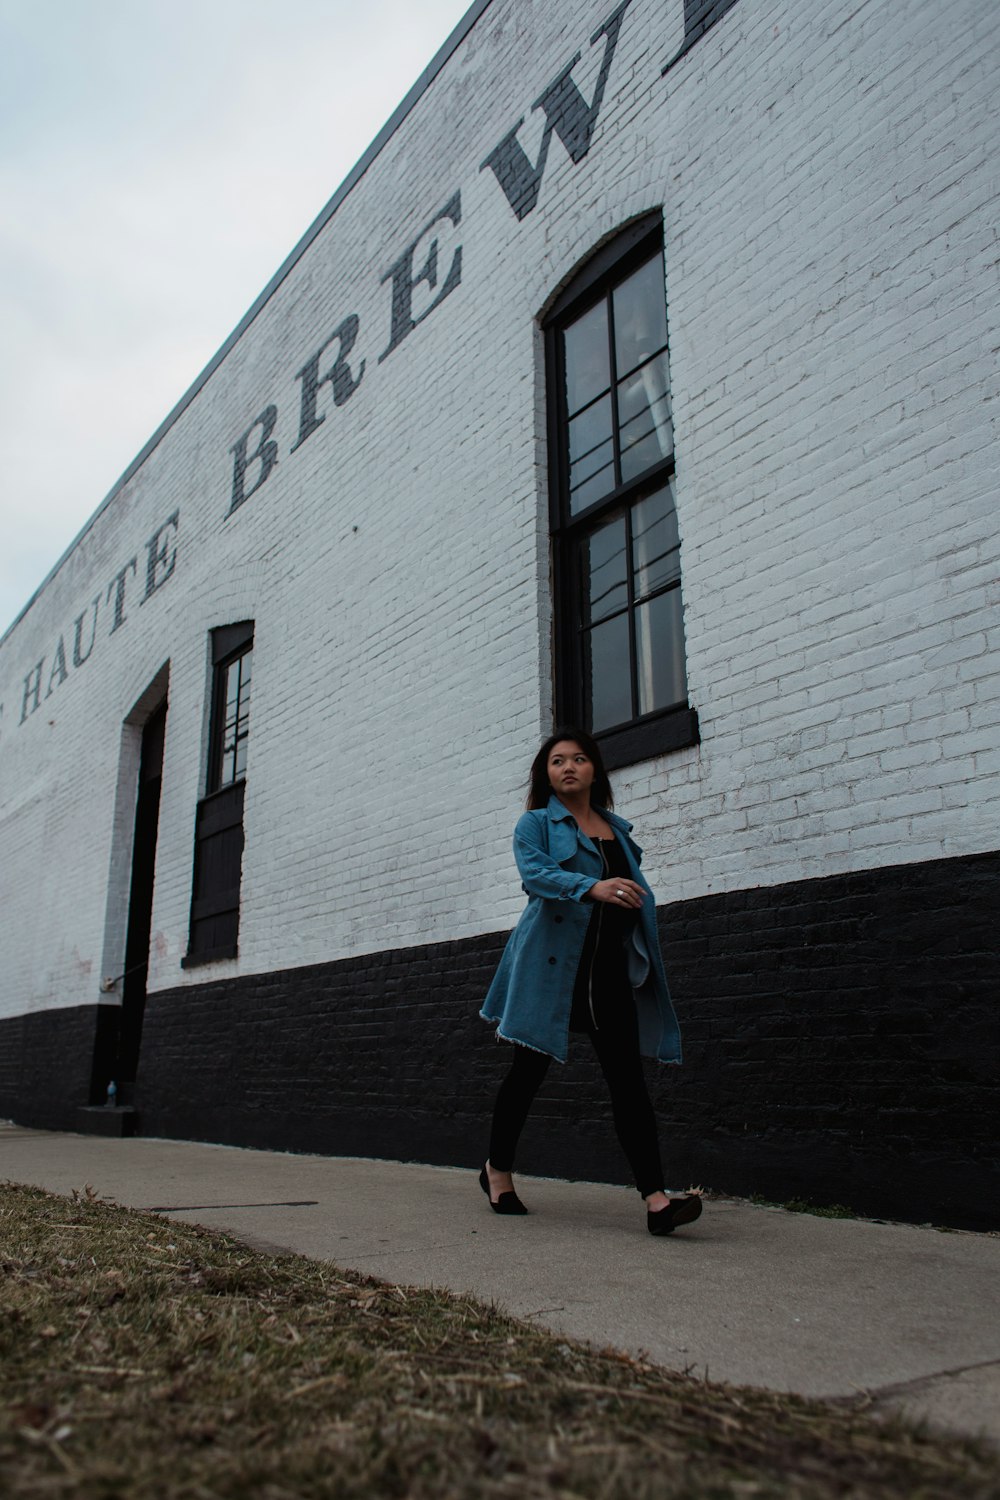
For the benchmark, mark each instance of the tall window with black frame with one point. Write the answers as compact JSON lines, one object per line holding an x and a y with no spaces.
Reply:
{"x":620,"y":662}
{"x":218,"y":844}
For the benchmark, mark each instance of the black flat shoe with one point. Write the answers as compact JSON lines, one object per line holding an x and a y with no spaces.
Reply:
{"x":678,"y":1211}
{"x":507,"y":1203}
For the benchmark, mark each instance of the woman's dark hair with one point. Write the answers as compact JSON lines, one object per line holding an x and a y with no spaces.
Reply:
{"x":540,"y":789}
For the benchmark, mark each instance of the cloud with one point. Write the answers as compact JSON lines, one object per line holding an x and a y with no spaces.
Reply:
{"x":158,"y":162}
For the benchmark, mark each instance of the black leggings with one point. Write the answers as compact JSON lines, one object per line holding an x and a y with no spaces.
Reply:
{"x":616,"y":1042}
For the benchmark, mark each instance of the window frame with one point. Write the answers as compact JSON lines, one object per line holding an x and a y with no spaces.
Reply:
{"x":217,"y":730}
{"x":663,"y":730}
{"x":219,"y":813}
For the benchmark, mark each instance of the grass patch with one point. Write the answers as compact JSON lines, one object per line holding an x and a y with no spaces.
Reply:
{"x":803,"y":1206}
{"x":142,"y":1357}
{"x":828,"y":1211}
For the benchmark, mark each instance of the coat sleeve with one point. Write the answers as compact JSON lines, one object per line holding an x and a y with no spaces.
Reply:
{"x":542,"y":875}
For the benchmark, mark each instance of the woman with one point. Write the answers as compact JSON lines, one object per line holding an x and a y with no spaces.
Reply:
{"x":584,"y":956}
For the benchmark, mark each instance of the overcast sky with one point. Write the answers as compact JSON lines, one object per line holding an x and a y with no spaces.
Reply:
{"x":136,"y":137}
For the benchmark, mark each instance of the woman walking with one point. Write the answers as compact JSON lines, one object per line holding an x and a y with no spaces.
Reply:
{"x":584,"y":956}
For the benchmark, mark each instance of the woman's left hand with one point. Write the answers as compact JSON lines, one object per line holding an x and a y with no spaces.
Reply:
{"x":624,"y":893}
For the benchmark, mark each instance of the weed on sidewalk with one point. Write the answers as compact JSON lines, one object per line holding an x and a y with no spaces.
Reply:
{"x":145,"y":1359}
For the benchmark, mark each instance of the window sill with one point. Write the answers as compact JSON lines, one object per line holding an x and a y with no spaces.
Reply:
{"x":223,"y":791}
{"x":210,"y":956}
{"x":674,"y":731}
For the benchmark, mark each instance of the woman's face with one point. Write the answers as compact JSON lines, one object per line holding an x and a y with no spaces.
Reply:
{"x":570,"y":769}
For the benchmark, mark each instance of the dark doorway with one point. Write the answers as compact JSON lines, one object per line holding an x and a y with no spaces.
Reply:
{"x":140,"y":906}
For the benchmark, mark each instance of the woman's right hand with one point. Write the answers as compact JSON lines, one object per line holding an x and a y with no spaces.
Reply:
{"x":624,"y":893}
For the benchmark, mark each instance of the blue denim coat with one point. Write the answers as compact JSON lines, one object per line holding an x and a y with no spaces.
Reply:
{"x":532,"y":991}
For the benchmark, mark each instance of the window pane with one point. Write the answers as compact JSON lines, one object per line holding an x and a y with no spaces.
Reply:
{"x":591,"y":455}
{"x":640,"y":316}
{"x":235,"y":720}
{"x":644,"y":417}
{"x":655,"y":544}
{"x":605,"y":587}
{"x":228,"y":753}
{"x":232,"y":687}
{"x":607,"y":674}
{"x":243,"y":715}
{"x":586,"y":347}
{"x":659,"y":646}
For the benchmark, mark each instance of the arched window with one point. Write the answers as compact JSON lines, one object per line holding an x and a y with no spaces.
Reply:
{"x":620,"y":663}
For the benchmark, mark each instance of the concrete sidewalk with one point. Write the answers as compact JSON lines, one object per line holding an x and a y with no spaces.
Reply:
{"x":751,"y":1295}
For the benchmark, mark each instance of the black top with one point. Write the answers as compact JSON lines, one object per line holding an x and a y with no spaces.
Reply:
{"x":603,"y":970}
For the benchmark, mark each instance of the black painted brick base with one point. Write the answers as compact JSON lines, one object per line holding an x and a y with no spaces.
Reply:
{"x":47,"y":1063}
{"x":841,"y":1046}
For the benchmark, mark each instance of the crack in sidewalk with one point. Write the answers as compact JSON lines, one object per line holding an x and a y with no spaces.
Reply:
{"x":902,"y":1386}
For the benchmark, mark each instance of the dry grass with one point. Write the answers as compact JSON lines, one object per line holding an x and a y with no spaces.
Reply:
{"x":144,"y":1358}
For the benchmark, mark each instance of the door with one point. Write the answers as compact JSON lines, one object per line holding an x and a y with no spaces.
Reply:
{"x":140,"y":907}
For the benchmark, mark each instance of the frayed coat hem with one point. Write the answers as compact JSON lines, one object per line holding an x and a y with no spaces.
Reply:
{"x":518,"y":1041}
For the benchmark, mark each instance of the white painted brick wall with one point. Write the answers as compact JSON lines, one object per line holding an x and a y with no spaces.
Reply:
{"x":827,"y":181}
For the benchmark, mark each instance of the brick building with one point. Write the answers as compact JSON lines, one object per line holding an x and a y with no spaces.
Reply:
{"x":641,"y":373}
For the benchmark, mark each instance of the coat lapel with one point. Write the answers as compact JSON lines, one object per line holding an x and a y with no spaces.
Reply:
{"x":566,"y":843}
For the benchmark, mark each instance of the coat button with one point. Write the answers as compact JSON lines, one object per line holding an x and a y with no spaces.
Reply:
{"x":557,"y":919}
{"x":551,"y":960}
